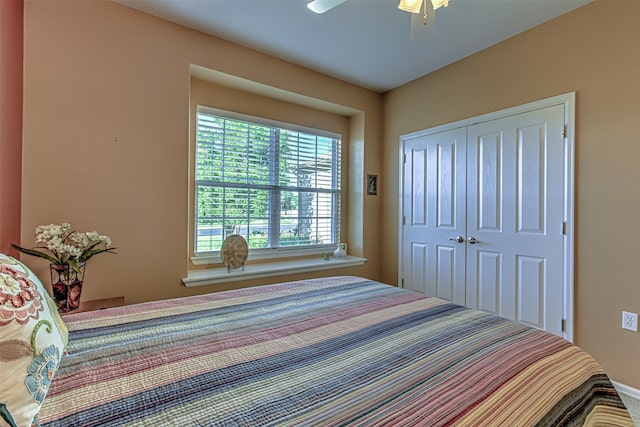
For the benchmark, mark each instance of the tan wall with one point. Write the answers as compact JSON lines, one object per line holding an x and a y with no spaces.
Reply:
{"x":595,"y":51}
{"x":106,"y":138}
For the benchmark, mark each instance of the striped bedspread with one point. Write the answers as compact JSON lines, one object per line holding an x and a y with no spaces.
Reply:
{"x":322,"y":352}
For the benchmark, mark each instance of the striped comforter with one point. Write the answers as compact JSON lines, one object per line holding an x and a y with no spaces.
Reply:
{"x":322,"y":352}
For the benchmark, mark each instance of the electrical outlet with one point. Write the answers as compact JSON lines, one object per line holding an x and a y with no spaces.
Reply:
{"x":630,"y":321}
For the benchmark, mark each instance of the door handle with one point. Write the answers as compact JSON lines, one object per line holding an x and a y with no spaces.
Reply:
{"x":472,"y":240}
{"x":458,"y":239}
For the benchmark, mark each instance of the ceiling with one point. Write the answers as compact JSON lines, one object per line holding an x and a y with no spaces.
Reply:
{"x":369,"y":43}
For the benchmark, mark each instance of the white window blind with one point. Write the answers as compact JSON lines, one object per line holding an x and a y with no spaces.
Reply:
{"x":275,"y":184}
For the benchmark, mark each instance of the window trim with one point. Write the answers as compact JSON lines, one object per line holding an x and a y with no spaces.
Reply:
{"x":213,"y":257}
{"x":216,"y":276}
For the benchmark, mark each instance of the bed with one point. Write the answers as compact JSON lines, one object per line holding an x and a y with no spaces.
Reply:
{"x":321,"y":352}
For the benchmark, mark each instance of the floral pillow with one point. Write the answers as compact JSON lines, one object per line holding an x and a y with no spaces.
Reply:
{"x":33,"y":337}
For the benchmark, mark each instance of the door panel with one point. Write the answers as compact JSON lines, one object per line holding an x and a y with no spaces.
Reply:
{"x":445,"y":272}
{"x":531,"y":162}
{"x":418,"y":165}
{"x":419,"y":263}
{"x":489,"y":182}
{"x":446,"y":184}
{"x":530,"y":284}
{"x":489,"y":280}
{"x":515,"y":208}
{"x":434,"y":205}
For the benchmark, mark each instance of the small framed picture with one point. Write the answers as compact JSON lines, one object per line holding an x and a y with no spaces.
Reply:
{"x":372,"y":185}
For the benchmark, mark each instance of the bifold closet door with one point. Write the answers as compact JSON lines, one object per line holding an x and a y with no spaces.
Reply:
{"x":515,"y":211}
{"x":435,"y":214}
{"x":483,"y":210}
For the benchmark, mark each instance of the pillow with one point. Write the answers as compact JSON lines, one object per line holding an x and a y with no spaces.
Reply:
{"x":33,"y":337}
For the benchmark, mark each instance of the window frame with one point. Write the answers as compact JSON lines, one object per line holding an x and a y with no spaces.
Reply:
{"x":213,"y":257}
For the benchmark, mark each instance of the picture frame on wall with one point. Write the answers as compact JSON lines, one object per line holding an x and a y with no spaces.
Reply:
{"x":372,"y":185}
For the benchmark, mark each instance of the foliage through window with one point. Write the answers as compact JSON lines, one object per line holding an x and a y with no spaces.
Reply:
{"x":278,"y":186}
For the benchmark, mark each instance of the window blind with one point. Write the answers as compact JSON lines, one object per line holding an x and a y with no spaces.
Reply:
{"x":276,"y":185}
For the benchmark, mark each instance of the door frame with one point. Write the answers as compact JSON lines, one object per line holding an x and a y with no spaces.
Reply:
{"x":568,"y":101}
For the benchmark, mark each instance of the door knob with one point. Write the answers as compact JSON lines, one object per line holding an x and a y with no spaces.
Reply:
{"x":472,"y":240}
{"x":458,"y":239}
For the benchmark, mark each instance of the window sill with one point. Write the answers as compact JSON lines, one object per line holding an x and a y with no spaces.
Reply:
{"x":214,"y":276}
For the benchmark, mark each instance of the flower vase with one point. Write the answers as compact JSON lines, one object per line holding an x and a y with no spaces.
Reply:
{"x":66,"y":283}
{"x":341,"y":251}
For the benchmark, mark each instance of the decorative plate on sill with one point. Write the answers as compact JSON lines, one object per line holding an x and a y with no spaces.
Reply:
{"x":234,"y":252}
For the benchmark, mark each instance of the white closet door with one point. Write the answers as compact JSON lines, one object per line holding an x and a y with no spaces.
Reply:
{"x":435,"y":215}
{"x":500,"y":187}
{"x":515,"y":211}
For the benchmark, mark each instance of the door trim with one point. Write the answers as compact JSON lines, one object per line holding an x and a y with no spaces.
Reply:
{"x":568,"y":101}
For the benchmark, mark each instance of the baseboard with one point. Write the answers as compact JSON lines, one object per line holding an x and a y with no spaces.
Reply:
{"x":633,"y":392}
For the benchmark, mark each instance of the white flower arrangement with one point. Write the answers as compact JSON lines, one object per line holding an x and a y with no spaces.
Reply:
{"x":67,"y":246}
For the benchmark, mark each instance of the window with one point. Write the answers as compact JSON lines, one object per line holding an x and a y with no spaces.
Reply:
{"x":275,"y":184}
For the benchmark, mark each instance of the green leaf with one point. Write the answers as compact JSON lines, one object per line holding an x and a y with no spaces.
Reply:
{"x":89,"y":253}
{"x":33,"y":252}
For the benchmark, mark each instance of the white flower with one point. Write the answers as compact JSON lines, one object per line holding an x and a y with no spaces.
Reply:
{"x":55,"y":244}
{"x":92,"y":235}
{"x":73,"y":251}
{"x":80,"y":240}
{"x":106,"y":240}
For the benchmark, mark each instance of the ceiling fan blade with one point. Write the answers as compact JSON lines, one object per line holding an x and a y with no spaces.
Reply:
{"x":321,"y":6}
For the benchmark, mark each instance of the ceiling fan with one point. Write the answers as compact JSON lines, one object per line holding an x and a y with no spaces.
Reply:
{"x":412,"y":6}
